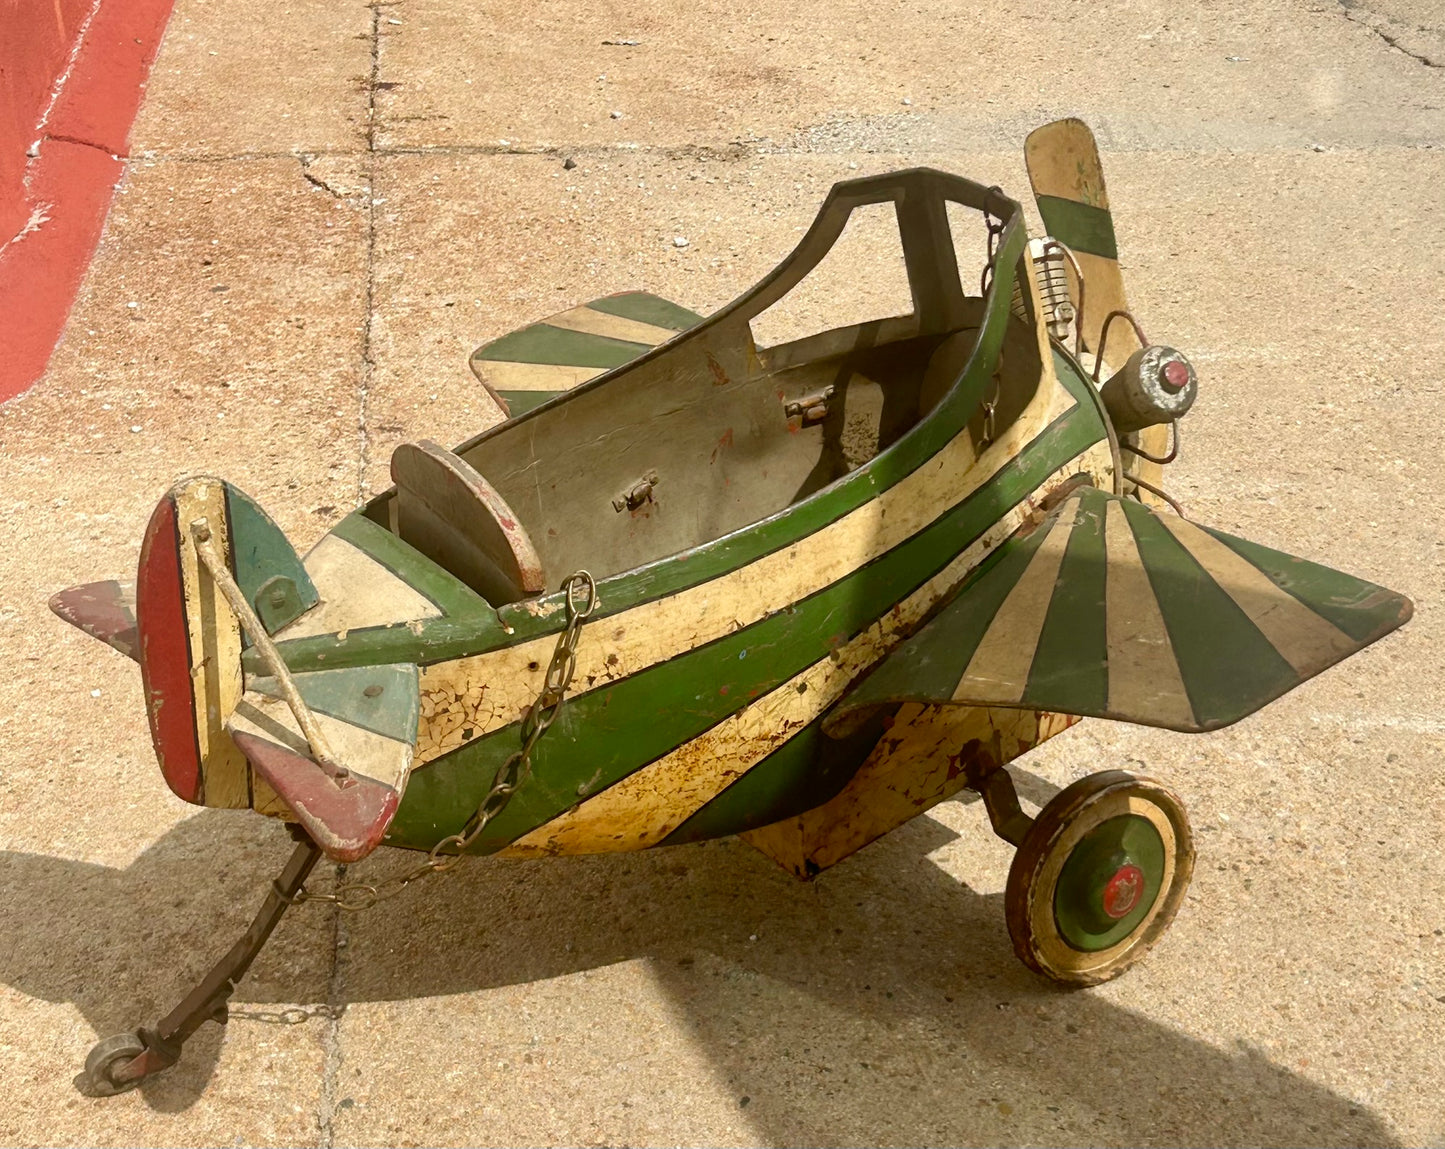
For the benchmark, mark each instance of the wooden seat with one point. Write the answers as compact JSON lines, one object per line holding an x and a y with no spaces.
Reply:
{"x":448,"y":512}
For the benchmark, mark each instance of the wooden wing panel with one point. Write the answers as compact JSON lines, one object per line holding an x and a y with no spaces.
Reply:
{"x":1110,"y":609}
{"x":530,"y":366}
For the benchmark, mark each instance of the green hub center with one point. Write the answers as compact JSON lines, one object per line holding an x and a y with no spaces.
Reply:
{"x":1109,"y":883}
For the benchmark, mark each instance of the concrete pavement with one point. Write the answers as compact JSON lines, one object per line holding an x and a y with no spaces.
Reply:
{"x":329,"y":206}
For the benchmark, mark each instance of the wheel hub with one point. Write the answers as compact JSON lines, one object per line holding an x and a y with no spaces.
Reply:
{"x":1109,"y":883}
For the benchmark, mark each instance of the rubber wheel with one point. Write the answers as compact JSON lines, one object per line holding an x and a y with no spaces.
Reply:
{"x":107,"y":1056}
{"x":1099,"y":877}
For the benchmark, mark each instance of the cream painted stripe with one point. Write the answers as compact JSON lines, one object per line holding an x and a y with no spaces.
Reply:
{"x":998,"y":672}
{"x":646,"y":806}
{"x":375,"y":756}
{"x":508,"y":376}
{"x":1308,"y":642}
{"x":488,"y":691}
{"x":355,"y":591}
{"x":1143,"y":673}
{"x":590,"y":322}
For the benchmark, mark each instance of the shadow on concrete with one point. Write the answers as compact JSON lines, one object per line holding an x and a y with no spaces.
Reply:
{"x":880,"y":1003}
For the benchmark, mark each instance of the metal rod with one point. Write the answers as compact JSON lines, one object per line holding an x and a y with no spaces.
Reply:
{"x":310,"y":728}
{"x":1167,"y":459}
{"x":209,"y":999}
{"x":1153,"y":490}
{"x":1104,"y":337}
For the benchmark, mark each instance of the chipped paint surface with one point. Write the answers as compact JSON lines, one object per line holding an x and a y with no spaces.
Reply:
{"x":215,"y":637}
{"x":646,"y":806}
{"x":356,"y":591}
{"x":922,"y":760}
{"x":474,"y":696}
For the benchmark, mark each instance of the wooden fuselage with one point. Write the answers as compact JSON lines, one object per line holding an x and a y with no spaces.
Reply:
{"x":776,"y":561}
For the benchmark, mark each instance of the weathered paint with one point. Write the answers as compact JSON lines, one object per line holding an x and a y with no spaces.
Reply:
{"x":536,"y":363}
{"x":165,"y":654}
{"x":1192,"y":641}
{"x":687,"y":696}
{"x":472,"y":697}
{"x":925,"y":757}
{"x":104,"y":610}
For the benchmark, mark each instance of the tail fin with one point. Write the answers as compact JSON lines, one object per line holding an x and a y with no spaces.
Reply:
{"x":189,"y":639}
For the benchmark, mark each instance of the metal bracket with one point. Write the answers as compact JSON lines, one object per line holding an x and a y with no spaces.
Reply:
{"x":640,"y":492}
{"x":1001,"y":801}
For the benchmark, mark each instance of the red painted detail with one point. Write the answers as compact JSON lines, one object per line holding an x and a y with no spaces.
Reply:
{"x":103,"y":609}
{"x":165,"y":655}
{"x":1122,"y":891}
{"x":725,"y":441}
{"x":719,"y":376}
{"x":1174,"y":376}
{"x":53,"y":203}
{"x":346,"y":821}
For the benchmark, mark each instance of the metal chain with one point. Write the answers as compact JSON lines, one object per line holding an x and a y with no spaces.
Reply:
{"x":995,"y":225}
{"x":451,"y":851}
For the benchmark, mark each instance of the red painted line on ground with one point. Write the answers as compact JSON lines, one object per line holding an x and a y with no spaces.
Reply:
{"x":54,"y":215}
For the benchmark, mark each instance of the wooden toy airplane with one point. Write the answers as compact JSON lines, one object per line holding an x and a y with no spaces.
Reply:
{"x":807,"y":592}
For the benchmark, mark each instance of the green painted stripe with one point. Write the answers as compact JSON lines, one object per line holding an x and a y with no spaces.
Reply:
{"x":1071,"y":664}
{"x":260,"y":551}
{"x":600,"y":739}
{"x":442,"y":639}
{"x":341,"y":694}
{"x":1080,"y":226}
{"x":542,"y":343}
{"x":645,"y":308}
{"x":1363,"y":610}
{"x":930,"y":664}
{"x":806,"y":771}
{"x":1229,"y":668}
{"x":520,"y":402}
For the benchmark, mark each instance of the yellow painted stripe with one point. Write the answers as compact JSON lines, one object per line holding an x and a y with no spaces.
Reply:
{"x":355,"y":591}
{"x":215,"y":636}
{"x":486,"y":692}
{"x":1143,"y":673}
{"x":646,"y":806}
{"x":1306,"y":641}
{"x":999,"y":669}
{"x":507,"y":376}
{"x":590,"y":322}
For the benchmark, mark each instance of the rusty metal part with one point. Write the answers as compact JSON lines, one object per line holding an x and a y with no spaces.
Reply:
{"x":994,"y":222}
{"x":266,"y":650}
{"x":1153,"y":490}
{"x":123,"y":1061}
{"x":1160,"y":461}
{"x":451,"y":851}
{"x":640,"y":492}
{"x":1001,"y":801}
{"x":1104,"y":336}
{"x":810,"y":408}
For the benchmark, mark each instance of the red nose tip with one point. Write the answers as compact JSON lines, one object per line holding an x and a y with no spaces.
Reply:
{"x":1174,"y":375}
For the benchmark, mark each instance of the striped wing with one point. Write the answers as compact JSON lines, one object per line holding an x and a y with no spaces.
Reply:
{"x":1112,"y":610}
{"x":530,"y":366}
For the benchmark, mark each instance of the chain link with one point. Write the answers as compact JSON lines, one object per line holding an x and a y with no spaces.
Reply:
{"x":995,"y":224}
{"x":451,"y":851}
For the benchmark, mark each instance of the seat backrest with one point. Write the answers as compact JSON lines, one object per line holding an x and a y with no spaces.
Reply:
{"x":448,"y":512}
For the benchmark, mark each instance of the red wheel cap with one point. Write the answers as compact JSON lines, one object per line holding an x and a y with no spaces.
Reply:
{"x":1122,"y":891}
